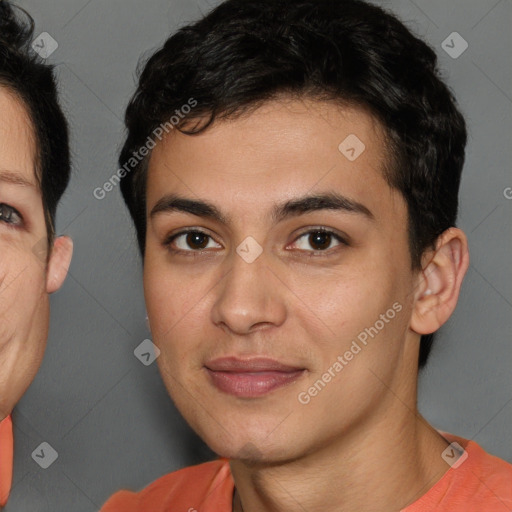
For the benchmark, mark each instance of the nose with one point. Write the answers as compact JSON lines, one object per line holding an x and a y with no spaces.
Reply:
{"x":249,"y":297}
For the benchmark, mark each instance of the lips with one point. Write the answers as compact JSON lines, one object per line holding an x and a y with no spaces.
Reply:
{"x":249,"y":378}
{"x":260,"y":364}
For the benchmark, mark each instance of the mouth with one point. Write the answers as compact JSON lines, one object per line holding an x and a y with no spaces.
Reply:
{"x":250,"y":378}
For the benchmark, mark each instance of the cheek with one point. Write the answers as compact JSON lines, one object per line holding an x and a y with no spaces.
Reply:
{"x":22,"y":278}
{"x":172,"y":307}
{"x":175,"y":296}
{"x":346,"y":307}
{"x":344,"y":299}
{"x":164,"y":302}
{"x":24,"y":308}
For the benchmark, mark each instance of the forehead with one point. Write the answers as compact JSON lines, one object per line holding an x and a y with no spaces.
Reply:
{"x":280,"y":150}
{"x":287,"y":122}
{"x":17,"y":140}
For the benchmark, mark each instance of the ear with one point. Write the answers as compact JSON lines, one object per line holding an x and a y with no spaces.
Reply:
{"x":440,"y":281}
{"x":58,"y":265}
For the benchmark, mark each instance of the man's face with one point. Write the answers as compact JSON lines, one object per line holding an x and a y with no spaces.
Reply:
{"x":302,"y":302}
{"x":24,"y":305}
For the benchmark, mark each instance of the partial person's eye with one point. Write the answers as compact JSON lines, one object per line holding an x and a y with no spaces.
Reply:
{"x":320,"y":239}
{"x":9,"y":215}
{"x":190,"y":241}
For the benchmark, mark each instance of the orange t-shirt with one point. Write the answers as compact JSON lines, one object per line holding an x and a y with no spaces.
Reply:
{"x":482,"y":483}
{"x":6,"y":458}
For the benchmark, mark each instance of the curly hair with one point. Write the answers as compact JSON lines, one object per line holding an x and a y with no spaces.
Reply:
{"x":246,"y":52}
{"x":33,"y":83}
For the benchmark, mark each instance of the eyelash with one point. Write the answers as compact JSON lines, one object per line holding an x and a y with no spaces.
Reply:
{"x":12,"y":211}
{"x":197,"y":253}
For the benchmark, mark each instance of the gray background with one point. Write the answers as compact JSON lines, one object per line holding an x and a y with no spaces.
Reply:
{"x":106,"y":414}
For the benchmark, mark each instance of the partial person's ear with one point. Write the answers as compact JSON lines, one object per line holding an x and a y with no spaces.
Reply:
{"x":59,"y":262}
{"x":440,"y":282}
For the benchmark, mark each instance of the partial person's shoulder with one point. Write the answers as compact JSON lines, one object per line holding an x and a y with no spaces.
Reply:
{"x":477,"y":481}
{"x":207,"y":487}
{"x":490,"y":477}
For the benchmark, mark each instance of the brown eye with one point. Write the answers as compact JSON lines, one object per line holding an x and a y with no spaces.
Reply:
{"x":319,"y":240}
{"x":190,"y":241}
{"x":9,"y":215}
{"x":196,"y":240}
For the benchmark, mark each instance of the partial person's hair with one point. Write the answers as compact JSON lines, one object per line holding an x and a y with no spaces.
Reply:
{"x":24,"y":74}
{"x":247,"y":52}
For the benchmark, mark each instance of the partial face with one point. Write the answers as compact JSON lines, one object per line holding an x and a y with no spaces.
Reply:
{"x":266,"y":273}
{"x":24,"y":307}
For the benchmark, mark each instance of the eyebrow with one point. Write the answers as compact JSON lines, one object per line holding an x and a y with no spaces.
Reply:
{"x":14,"y":178}
{"x":294,"y":207}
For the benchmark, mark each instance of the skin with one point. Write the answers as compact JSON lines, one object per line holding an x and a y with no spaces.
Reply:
{"x":27,"y":276}
{"x":360,"y":443}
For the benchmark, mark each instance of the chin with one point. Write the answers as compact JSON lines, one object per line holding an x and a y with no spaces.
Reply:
{"x":252,"y":450}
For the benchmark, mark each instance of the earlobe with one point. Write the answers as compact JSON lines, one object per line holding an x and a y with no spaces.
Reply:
{"x":58,"y":265}
{"x":440,"y":282}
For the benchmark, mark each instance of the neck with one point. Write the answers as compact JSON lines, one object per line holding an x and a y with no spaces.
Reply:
{"x":384,"y":465}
